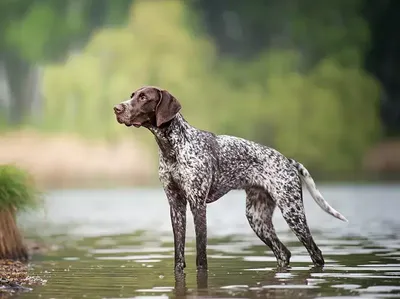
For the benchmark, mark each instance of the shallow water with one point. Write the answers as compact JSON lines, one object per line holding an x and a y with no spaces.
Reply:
{"x":118,"y":244}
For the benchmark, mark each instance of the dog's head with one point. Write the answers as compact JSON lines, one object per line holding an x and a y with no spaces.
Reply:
{"x":147,"y":106}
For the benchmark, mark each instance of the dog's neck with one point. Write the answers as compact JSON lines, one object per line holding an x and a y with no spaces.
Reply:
{"x":169,"y":135}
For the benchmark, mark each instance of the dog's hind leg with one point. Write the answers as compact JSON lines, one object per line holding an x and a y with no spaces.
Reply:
{"x":291,"y":205}
{"x":259,"y":210}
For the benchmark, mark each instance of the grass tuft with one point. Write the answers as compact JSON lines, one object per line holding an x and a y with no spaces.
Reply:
{"x":17,"y":189}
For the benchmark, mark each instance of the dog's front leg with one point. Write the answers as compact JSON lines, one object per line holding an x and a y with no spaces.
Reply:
{"x":200,"y":225}
{"x":177,"y":206}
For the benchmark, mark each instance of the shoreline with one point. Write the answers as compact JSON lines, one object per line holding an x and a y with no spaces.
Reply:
{"x":63,"y":161}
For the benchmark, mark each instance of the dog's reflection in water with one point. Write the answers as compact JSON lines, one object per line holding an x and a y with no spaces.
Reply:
{"x":271,"y":284}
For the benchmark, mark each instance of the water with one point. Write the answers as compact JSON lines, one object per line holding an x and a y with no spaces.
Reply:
{"x":118,"y":244}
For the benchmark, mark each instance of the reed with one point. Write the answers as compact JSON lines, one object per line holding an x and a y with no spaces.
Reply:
{"x":17,"y":193}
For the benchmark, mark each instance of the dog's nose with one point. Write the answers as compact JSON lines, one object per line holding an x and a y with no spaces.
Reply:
{"x":118,"y":109}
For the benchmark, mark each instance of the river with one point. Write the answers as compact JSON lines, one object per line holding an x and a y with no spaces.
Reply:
{"x":117,"y":243}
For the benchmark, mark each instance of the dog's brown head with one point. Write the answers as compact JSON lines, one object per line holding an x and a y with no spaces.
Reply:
{"x":147,"y":106}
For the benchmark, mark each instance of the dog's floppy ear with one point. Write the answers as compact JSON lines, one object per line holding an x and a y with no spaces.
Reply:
{"x":166,"y":108}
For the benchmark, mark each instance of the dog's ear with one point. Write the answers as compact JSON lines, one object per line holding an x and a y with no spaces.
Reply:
{"x":166,"y":108}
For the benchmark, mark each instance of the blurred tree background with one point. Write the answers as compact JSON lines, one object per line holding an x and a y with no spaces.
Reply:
{"x":319,"y":81}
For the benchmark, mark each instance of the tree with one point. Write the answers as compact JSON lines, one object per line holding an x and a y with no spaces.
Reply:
{"x":310,"y":114}
{"x":119,"y":59}
{"x":359,"y":33}
{"x":314,"y":29}
{"x":36,"y":31}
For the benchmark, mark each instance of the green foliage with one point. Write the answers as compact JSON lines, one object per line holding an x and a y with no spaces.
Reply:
{"x":17,"y":189}
{"x":49,"y":29}
{"x":325,"y":116}
{"x":116,"y":61}
{"x":33,"y":32}
{"x":316,"y":29}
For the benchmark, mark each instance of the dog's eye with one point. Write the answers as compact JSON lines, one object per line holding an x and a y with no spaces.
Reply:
{"x":132,"y":95}
{"x":142,"y":97}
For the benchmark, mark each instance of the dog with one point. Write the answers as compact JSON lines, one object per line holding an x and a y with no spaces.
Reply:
{"x":197,"y":167}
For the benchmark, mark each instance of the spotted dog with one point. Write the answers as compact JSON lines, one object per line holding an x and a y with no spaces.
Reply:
{"x":198,"y":167}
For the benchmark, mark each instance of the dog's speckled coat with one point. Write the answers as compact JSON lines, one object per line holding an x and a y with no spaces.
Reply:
{"x":199,"y":167}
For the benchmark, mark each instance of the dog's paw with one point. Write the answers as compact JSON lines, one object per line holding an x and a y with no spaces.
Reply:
{"x":318,"y":261}
{"x":283,"y":267}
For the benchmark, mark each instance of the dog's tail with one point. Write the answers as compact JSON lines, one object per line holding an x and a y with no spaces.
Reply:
{"x":309,"y":182}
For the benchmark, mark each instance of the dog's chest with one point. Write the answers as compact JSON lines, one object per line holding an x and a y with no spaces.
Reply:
{"x":174,"y":171}
{"x":183,"y":168}
{"x":170,"y":169}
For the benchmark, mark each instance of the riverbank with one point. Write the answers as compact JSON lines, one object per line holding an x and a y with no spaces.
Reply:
{"x":64,"y":161}
{"x":67,"y":161}
{"x":384,"y":158}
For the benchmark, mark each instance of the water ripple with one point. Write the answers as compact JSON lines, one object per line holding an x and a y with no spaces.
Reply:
{"x":116,"y":249}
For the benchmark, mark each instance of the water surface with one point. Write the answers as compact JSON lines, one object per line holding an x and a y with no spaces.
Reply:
{"x":118,"y":244}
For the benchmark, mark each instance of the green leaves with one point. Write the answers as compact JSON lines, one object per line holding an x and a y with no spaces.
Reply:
{"x":44,"y":30}
{"x":31,"y":34}
{"x":325,"y":116}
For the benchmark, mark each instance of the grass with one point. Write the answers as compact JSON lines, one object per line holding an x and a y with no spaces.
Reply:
{"x":17,"y":189}
{"x":17,"y":193}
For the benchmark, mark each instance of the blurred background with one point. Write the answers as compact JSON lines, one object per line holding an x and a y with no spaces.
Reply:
{"x":317,"y":80}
